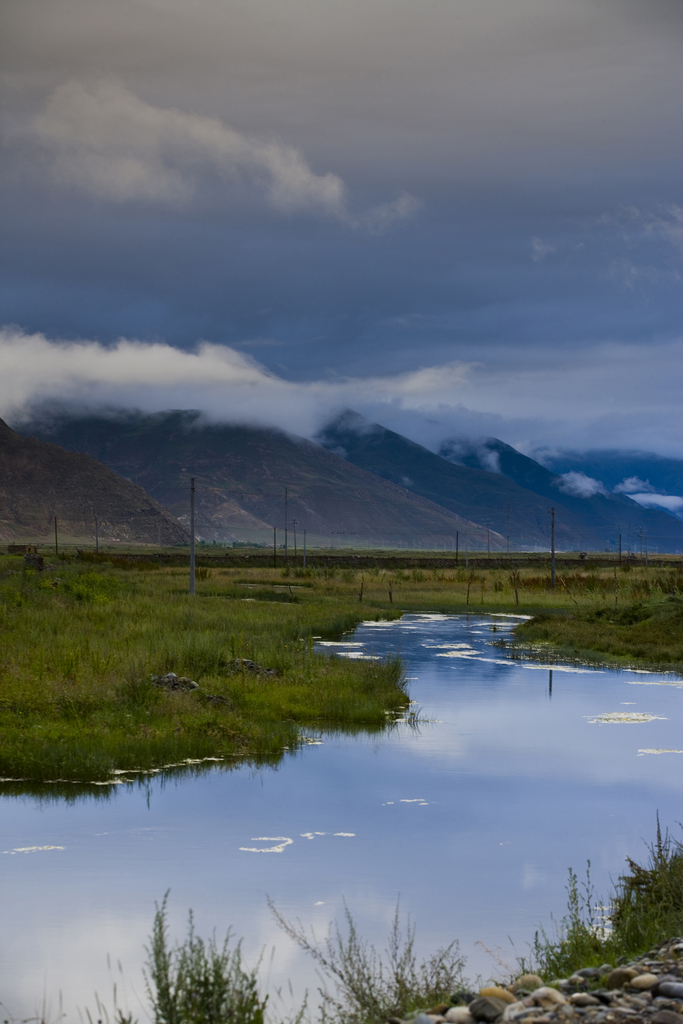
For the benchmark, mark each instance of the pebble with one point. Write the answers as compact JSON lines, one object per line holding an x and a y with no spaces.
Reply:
{"x":644,"y":981}
{"x":527,"y":981}
{"x":459,"y":1015}
{"x":498,"y":993}
{"x":649,"y":990}
{"x":619,"y":976}
{"x":487,"y":1008}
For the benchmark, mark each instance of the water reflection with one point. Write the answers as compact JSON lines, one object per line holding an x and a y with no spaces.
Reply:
{"x":472,"y":809}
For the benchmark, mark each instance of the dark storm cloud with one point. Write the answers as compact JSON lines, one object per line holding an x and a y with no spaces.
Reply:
{"x":358,"y":191}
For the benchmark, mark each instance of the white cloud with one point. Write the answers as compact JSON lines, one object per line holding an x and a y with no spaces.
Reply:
{"x":105,"y":139}
{"x":223,"y":383}
{"x":602,"y":397}
{"x":580,"y":485}
{"x":671,"y":502}
{"x":540,"y":249}
{"x":632,"y":484}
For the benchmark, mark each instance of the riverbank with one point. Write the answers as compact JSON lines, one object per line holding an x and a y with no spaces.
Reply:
{"x":80,"y":646}
{"x":646,"y":634}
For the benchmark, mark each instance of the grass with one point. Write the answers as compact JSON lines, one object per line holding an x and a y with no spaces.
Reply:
{"x":645,"y":909}
{"x":78,"y":645}
{"x":644,"y":634}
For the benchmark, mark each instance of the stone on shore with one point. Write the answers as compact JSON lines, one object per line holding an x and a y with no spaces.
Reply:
{"x":527,"y":981}
{"x":498,"y":993}
{"x":644,"y":981}
{"x":620,"y":976}
{"x":459,"y":1015}
{"x":487,"y":1008}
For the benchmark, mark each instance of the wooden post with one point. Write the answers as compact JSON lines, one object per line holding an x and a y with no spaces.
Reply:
{"x":56,"y":543}
{"x":97,"y":537}
{"x":457,"y":545}
{"x":304,"y":549}
{"x":552,"y":548}
{"x":192,"y":535}
{"x":275,"y":547}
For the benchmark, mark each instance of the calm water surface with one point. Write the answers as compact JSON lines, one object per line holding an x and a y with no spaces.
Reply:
{"x":473,"y":818}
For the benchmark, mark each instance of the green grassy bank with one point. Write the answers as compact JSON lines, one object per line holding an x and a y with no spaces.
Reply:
{"x":78,"y":646}
{"x":79,"y":642}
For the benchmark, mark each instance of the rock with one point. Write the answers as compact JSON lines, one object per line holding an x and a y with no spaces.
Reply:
{"x":173,"y":682}
{"x":620,"y":976}
{"x":661,"y":980}
{"x":440,"y":1009}
{"x":498,"y":993}
{"x":548,"y":998}
{"x":584,"y":999}
{"x":589,"y":972}
{"x":253,"y":667}
{"x":215,"y":698}
{"x":487,"y":1008}
{"x":34,"y":562}
{"x":578,"y":980}
{"x":423,"y":1018}
{"x":528,"y":981}
{"x":667,"y":1017}
{"x":513,"y":1009}
{"x":605,"y":969}
{"x":459,"y":1015}
{"x":644,"y":981}
{"x":670,"y":989}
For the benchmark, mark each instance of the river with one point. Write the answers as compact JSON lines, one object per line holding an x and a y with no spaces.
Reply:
{"x":508,"y":774}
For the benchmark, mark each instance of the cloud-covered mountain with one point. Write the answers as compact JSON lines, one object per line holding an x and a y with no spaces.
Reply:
{"x":241,"y":473}
{"x":480,"y":480}
{"x":584,"y":494}
{"x":652,"y":480}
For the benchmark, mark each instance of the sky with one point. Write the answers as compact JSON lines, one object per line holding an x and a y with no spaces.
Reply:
{"x":460,"y":217}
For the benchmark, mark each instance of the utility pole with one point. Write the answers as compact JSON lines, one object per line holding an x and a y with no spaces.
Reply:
{"x":457,"y":545}
{"x":56,"y":544}
{"x":192,"y":535}
{"x":619,"y":529}
{"x":294,"y":527}
{"x":552,"y":548}
{"x":97,"y":538}
{"x":629,"y":540}
{"x":508,"y":534}
{"x":467,"y":561}
{"x":285,"y":526}
{"x":304,"y":549}
{"x":488,"y":538}
{"x":275,"y":547}
{"x":640,"y":535}
{"x":646,"y":561}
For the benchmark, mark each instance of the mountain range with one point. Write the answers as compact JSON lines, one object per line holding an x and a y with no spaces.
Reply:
{"x":358,"y":483}
{"x":241,"y":476}
{"x":39,"y":481}
{"x":486,"y":480}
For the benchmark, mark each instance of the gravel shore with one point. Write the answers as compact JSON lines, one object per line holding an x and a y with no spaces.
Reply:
{"x":648,"y":990}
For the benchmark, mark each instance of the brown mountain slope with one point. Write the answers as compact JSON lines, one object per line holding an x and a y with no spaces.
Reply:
{"x":241,"y":474}
{"x":39,"y":480}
